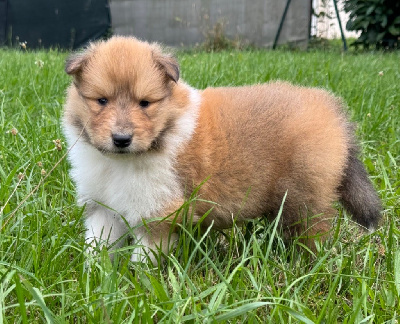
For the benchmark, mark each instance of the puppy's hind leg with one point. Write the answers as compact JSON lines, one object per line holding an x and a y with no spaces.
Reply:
{"x":309,"y":227}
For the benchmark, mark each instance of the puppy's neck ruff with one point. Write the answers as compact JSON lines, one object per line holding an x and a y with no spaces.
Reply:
{"x":185,"y":125}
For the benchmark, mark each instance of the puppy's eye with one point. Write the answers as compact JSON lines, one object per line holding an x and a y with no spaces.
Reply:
{"x":144,"y":103}
{"x":102,"y":101}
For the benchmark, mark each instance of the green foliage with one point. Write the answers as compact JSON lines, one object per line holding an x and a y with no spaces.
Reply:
{"x":243,"y":275}
{"x":378,"y":21}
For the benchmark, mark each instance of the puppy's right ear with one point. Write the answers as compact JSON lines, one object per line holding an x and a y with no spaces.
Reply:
{"x":75,"y":63}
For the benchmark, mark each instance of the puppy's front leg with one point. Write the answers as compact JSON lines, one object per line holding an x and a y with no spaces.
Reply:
{"x":103,"y":226}
{"x":157,"y":235}
{"x":151,"y":238}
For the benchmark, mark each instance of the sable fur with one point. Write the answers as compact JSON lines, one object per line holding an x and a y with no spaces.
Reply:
{"x":252,"y":143}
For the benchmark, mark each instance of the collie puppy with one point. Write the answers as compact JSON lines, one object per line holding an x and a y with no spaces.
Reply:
{"x":142,"y":140}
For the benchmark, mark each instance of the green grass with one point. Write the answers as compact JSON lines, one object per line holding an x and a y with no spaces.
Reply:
{"x":246,"y":274}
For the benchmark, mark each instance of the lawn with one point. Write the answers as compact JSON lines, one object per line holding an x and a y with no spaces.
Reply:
{"x":246,"y":274}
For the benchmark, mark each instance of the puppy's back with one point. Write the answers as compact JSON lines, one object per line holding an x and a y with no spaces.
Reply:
{"x":265,"y":140}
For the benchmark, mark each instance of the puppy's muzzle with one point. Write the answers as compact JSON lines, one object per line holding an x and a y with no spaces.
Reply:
{"x":121,"y":141}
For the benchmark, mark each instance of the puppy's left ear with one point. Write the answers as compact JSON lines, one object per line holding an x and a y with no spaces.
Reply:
{"x":167,"y":63}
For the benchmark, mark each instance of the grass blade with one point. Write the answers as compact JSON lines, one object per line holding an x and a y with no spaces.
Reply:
{"x":38,"y":297}
{"x":397,"y":271}
{"x":21,"y":298}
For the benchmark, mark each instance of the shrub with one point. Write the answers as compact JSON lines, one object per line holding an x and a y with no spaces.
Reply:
{"x":378,"y":21}
{"x":216,"y":39}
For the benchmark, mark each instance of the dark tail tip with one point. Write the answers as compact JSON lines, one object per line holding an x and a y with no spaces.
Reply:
{"x":358,"y":195}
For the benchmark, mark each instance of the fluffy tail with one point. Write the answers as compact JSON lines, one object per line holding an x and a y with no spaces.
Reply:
{"x":358,"y":195}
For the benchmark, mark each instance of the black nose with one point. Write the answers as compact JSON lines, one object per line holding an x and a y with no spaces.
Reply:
{"x":122,"y":141}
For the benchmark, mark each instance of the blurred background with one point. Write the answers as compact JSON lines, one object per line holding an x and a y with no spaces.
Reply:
{"x":187,"y":23}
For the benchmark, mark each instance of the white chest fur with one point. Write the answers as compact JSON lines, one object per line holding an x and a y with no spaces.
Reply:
{"x":136,"y":187}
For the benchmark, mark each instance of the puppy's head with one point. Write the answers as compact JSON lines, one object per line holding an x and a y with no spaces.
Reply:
{"x":125,"y":95}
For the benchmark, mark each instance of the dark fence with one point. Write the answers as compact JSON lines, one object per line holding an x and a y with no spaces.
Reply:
{"x":72,"y":23}
{"x":56,"y":23}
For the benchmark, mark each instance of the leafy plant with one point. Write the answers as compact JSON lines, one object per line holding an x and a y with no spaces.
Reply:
{"x":216,"y":39}
{"x":378,"y":21}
